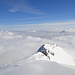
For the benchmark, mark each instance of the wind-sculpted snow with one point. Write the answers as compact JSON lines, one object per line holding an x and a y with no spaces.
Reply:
{"x":60,"y":56}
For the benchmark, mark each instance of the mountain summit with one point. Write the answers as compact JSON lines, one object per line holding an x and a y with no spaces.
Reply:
{"x":53,"y":52}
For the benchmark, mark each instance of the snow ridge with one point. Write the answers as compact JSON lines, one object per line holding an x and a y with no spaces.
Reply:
{"x":60,"y":56}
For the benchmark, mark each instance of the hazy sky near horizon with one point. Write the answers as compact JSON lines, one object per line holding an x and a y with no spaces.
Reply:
{"x":36,"y":14}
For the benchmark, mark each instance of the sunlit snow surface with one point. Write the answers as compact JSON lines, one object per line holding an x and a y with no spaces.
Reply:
{"x":60,"y":56}
{"x":18,"y":53}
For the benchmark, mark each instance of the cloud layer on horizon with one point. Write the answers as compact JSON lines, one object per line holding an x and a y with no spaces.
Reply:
{"x":39,"y":25}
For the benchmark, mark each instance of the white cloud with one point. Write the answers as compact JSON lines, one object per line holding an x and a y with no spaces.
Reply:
{"x":48,"y":24}
{"x":25,"y":45}
{"x":32,"y":18}
{"x":23,"y":6}
{"x":13,"y":10}
{"x":14,"y":51}
{"x":44,"y":26}
{"x":59,"y":23}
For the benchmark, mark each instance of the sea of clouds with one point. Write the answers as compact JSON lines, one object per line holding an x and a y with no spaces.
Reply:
{"x":15,"y":46}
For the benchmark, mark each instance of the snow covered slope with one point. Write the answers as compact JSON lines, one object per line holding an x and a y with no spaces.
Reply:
{"x":39,"y":64}
{"x":37,"y":67}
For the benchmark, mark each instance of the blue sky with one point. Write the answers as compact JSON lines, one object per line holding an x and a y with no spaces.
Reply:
{"x":36,"y":14}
